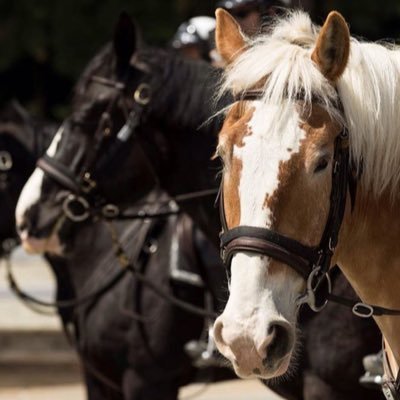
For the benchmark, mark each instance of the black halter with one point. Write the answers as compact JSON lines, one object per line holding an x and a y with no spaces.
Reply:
{"x":312,"y":263}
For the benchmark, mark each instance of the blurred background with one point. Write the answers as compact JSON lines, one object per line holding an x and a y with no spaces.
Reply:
{"x":46,"y":43}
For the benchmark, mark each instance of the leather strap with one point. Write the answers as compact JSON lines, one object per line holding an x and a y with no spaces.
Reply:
{"x":59,"y":173}
{"x":273,"y":250}
{"x":391,"y":385}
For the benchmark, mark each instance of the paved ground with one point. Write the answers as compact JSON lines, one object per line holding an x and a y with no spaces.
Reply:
{"x":53,"y":374}
{"x":59,"y":387}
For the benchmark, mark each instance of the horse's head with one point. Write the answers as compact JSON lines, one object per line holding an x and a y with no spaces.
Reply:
{"x":17,"y":161}
{"x":91,"y":161}
{"x":277,"y":146}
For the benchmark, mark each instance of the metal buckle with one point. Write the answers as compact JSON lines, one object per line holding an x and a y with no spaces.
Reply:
{"x":80,"y":202}
{"x":309,"y":296}
{"x":389,"y":390}
{"x":142,"y":94}
{"x":87,"y":183}
{"x":110,"y":211}
{"x":151,"y":246}
{"x":331,"y":246}
{"x":363,"y":310}
{"x":6,"y":161}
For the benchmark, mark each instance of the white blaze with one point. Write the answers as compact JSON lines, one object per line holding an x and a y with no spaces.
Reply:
{"x":256,"y":298}
{"x":31,"y":192}
{"x":274,"y":138}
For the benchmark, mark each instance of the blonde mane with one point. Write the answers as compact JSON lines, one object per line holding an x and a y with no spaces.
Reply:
{"x":369,"y":91}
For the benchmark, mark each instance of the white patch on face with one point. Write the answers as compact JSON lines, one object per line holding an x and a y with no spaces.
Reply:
{"x":258,"y":299}
{"x":273,"y":140}
{"x":32,"y":190}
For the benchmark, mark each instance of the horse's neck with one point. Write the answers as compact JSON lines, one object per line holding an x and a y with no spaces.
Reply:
{"x":369,"y":255}
{"x":188,"y":96}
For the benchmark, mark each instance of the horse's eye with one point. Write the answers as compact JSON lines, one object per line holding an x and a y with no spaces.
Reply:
{"x":322,"y":164}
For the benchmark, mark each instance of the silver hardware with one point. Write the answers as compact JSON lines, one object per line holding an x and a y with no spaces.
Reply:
{"x":173,"y":206}
{"x":6,"y":161}
{"x":330,"y":245}
{"x":336,"y":167}
{"x":80,"y":202}
{"x":110,"y":211}
{"x":363,"y":306}
{"x":151,"y":246}
{"x":309,"y":296}
{"x":142,"y":94}
{"x":125,"y":132}
{"x":87,"y":182}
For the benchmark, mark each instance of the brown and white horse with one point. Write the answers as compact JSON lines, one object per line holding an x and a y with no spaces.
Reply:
{"x":278,"y":154}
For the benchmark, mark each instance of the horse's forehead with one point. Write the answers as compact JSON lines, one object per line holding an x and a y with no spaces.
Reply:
{"x":236,"y":126}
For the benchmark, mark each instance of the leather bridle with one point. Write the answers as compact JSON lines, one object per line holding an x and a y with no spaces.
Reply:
{"x":84,"y":201}
{"x":311,"y":263}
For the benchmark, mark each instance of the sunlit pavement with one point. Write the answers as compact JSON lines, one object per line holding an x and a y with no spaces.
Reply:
{"x":231,"y":390}
{"x":36,"y":363}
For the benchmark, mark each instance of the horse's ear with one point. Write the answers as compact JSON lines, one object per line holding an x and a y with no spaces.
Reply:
{"x":332,"y":50}
{"x":229,"y":39}
{"x":125,"y":40}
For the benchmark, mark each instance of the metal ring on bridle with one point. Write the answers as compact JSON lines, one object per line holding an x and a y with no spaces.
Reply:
{"x":151,"y":246}
{"x":142,"y":94}
{"x":311,"y":290}
{"x":110,"y":211}
{"x":6,"y":161}
{"x":79,"y":203}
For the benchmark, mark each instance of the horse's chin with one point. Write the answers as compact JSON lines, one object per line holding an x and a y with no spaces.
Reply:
{"x":34,"y":245}
{"x":266,"y":374}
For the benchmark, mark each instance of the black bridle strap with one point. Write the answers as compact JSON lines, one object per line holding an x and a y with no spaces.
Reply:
{"x":340,"y":187}
{"x":59,"y":173}
{"x":63,"y":304}
{"x":362,"y":309}
{"x":171,"y":206}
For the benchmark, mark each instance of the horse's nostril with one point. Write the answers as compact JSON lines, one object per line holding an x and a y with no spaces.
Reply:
{"x":218,"y":325}
{"x":271,"y":329}
{"x":279,"y":343}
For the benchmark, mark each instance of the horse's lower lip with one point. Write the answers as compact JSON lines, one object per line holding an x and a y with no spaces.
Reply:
{"x":34,"y":245}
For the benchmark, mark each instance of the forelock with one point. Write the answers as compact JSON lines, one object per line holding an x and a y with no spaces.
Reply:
{"x":279,"y":63}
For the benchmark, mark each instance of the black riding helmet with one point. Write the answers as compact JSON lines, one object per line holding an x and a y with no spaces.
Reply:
{"x":262,"y":5}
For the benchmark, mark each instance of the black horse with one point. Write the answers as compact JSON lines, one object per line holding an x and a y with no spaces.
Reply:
{"x":22,"y":140}
{"x":130,"y":340}
{"x":160,"y":102}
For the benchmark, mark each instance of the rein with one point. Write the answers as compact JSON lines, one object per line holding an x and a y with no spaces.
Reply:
{"x":311,"y":263}
{"x":126,"y":265}
{"x":78,"y":205}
